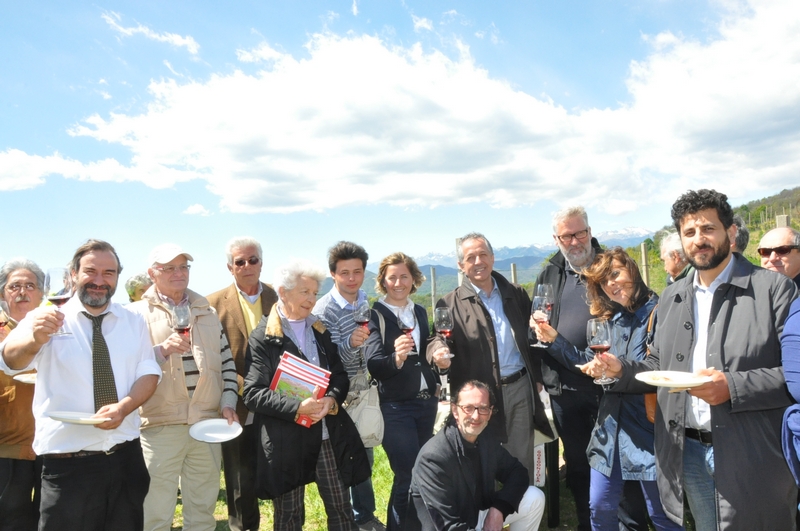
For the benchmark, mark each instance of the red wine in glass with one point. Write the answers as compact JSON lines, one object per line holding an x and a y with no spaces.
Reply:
{"x":183,"y":330}
{"x":362,"y":322}
{"x":600,"y":349}
{"x":59,"y":300}
{"x":598,"y":337}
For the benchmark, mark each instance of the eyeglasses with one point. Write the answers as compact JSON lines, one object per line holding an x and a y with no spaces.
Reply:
{"x":253,"y":260}
{"x":580,"y":235}
{"x":171,"y":269}
{"x":483,"y":411}
{"x":765,"y":252}
{"x":30,"y":286}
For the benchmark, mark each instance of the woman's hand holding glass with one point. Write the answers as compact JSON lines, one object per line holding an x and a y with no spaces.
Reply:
{"x":603,"y":364}
{"x":403,"y":347}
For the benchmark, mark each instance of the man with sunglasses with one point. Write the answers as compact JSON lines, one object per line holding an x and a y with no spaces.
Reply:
{"x":780,"y":251}
{"x":240,"y":307}
{"x":465,"y":479}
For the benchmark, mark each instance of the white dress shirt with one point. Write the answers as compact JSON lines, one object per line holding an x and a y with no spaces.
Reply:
{"x":64,"y":380}
{"x":698,"y":414}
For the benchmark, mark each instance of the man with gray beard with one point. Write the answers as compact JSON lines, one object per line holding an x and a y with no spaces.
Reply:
{"x":574,"y":397}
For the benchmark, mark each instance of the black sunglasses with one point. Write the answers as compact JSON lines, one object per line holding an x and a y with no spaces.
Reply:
{"x":765,"y":252}
{"x":253,"y":260}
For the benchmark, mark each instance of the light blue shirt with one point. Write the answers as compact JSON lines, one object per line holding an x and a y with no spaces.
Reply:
{"x":508,"y":354}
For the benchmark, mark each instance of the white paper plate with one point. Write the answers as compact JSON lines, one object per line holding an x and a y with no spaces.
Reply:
{"x":28,"y":378}
{"x":672,"y":379}
{"x":74,"y":417}
{"x":215,"y":430}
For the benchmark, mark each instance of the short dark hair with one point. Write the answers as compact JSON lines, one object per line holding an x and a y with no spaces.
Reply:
{"x":477,"y":384}
{"x":346,"y":251}
{"x":694,"y":201}
{"x":93,"y":246}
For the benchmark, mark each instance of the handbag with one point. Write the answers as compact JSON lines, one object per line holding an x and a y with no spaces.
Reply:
{"x":362,"y":403}
{"x":650,"y":399}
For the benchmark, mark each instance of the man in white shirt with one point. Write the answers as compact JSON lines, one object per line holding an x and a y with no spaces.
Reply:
{"x":719,"y":443}
{"x":93,"y":477}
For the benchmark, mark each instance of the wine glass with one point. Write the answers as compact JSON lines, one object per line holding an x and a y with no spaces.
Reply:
{"x":598,"y":336}
{"x":182,"y":320}
{"x":58,"y":287}
{"x":407,"y":328}
{"x":443,"y":323}
{"x":362,"y":313}
{"x":542,"y":307}
{"x":545,"y":290}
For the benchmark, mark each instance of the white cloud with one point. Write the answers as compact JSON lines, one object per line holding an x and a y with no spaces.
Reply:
{"x":421,"y":23}
{"x":263,"y":52}
{"x":354,"y":8}
{"x":197,"y":210}
{"x":113,"y":19}
{"x":359,"y":121}
{"x":103,"y":94}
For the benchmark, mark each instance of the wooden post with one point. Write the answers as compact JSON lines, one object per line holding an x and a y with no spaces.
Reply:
{"x":460,"y":273}
{"x":433,"y":288}
{"x":645,"y":268}
{"x":513,"y":273}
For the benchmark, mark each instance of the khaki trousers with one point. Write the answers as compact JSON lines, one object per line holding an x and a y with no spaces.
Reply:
{"x":170,"y":454}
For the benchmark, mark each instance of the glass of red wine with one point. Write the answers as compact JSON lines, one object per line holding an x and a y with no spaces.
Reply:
{"x":598,"y":337}
{"x":362,"y":313}
{"x":541,"y":309}
{"x":182,"y":320}
{"x":58,"y":286}
{"x":407,"y":326}
{"x":443,"y":323}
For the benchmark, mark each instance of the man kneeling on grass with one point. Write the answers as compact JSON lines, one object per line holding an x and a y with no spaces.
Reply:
{"x":453,"y":483}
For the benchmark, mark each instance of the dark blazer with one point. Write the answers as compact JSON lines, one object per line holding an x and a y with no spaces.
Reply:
{"x":395,"y":384}
{"x":288,"y":452}
{"x":229,"y":310}
{"x":475,"y":348}
{"x":443,"y":483}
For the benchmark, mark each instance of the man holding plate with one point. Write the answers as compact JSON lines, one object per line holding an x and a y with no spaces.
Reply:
{"x":199,"y":384}
{"x":720,"y":441}
{"x":89,"y":384}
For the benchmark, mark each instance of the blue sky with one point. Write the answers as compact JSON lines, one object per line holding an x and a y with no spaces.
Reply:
{"x":397,"y":124}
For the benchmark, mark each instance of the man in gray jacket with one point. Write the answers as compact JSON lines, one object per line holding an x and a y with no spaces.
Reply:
{"x":720,"y":442}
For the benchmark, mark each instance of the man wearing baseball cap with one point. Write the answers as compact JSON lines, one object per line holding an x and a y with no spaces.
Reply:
{"x":199,"y":383}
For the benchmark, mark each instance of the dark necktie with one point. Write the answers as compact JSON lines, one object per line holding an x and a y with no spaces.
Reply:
{"x":105,"y":390}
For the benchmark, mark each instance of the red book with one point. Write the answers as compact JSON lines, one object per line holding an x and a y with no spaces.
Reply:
{"x":296,"y":378}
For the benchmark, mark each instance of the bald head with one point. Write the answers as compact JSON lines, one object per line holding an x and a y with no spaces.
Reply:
{"x":772,"y":247}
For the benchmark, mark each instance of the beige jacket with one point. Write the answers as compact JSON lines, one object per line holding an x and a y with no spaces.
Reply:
{"x":170,"y":404}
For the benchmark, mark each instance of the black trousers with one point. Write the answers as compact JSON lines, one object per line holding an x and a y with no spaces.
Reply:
{"x":18,"y":479}
{"x":95,"y":493}
{"x":239,"y":466}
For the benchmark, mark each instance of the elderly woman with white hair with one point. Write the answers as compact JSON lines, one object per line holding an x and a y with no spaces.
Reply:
{"x":328,"y":452}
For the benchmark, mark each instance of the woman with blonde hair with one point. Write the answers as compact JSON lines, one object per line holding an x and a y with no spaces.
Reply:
{"x":407,"y":383}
